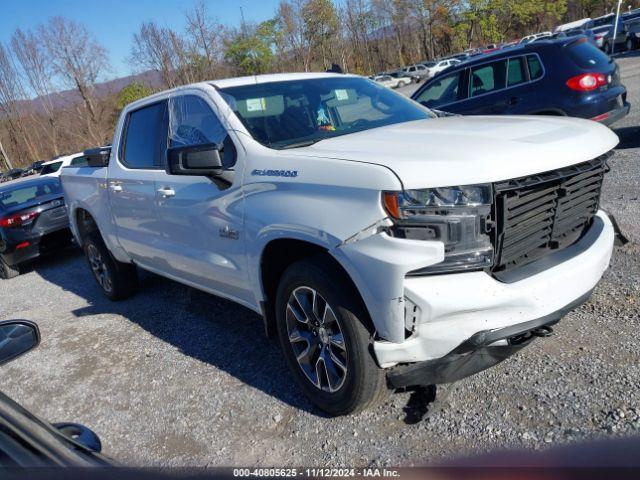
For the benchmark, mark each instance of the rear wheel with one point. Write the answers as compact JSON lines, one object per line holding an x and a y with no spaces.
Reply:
{"x":116,"y":279}
{"x":325,"y":337}
{"x":7,"y":271}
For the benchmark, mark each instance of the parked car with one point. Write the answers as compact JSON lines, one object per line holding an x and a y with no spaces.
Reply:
{"x":12,"y":174}
{"x":567,"y":76}
{"x":53,"y":168}
{"x":26,"y":441}
{"x":403,"y":78}
{"x":33,"y":222}
{"x":605,"y":41}
{"x":535,"y":36}
{"x":383,"y":245}
{"x":584,"y":23}
{"x":633,"y":39}
{"x":391,"y":82}
{"x":442,"y":65}
{"x":35,"y":167}
{"x":418,"y":71}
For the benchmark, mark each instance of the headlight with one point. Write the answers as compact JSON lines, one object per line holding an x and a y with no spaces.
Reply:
{"x":460,"y":217}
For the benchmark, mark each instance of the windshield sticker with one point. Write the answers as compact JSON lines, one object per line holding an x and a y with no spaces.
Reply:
{"x":342,"y":95}
{"x":256,"y":104}
{"x":324,"y":122}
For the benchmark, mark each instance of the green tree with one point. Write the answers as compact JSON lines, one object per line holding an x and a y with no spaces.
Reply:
{"x":321,"y":26}
{"x":132,"y":92}
{"x":252,"y":52}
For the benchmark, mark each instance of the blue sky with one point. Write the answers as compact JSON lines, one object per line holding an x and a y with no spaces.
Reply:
{"x":113,"y":22}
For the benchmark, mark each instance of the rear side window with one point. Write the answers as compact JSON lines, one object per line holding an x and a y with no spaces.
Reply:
{"x":488,"y":78}
{"x":516,"y":72}
{"x":51,"y":168}
{"x":146,"y":137}
{"x":587,"y":56}
{"x":443,"y":91}
{"x":535,"y":67}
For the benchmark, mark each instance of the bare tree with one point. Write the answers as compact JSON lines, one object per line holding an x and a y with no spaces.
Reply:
{"x":205,"y":37}
{"x":153,"y":49}
{"x":78,"y":59}
{"x":289,"y":15}
{"x":37,"y":69}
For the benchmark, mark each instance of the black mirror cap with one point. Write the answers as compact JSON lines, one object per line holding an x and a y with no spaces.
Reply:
{"x":98,"y":157}
{"x":16,"y":338}
{"x":202,"y":160}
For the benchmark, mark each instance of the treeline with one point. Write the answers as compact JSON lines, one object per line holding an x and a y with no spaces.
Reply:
{"x":362,"y":36}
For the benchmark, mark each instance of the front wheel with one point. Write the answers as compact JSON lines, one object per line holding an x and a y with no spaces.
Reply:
{"x":117,"y":280}
{"x":326,"y":338}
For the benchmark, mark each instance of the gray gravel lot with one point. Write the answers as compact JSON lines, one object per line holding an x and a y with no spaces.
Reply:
{"x":177,"y":377}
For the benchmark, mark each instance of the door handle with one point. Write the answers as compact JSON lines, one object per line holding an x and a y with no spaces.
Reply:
{"x":115,"y":186}
{"x":167,"y":192}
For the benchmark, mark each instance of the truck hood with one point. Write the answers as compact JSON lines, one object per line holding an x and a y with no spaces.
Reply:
{"x":467,"y":150}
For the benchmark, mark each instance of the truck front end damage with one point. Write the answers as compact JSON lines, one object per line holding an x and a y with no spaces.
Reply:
{"x":454,"y":287}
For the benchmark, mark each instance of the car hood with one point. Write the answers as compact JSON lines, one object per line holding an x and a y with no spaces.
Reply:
{"x":462,"y":150}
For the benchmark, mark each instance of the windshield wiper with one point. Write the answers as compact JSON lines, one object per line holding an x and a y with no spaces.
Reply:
{"x":302,"y":143}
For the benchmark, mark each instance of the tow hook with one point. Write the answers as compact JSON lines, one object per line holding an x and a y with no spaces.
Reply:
{"x":542,"y":332}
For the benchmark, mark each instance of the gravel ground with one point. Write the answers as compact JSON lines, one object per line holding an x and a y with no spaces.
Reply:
{"x":177,"y":377}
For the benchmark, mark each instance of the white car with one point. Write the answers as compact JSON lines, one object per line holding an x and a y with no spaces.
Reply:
{"x":53,"y":168}
{"x":536,"y":36}
{"x":392,"y":82}
{"x":584,"y":23}
{"x":384,"y":246}
{"x":441,"y":66}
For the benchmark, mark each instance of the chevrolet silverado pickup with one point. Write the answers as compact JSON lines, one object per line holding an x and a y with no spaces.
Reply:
{"x":385,"y":245}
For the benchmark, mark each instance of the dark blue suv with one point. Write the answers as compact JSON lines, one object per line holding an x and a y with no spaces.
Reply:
{"x":567,"y":76}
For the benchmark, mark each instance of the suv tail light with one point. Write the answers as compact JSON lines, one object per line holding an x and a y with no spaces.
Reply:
{"x":587,"y":82}
{"x":18,"y":220}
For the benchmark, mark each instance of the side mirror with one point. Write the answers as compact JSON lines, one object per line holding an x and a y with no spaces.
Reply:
{"x":17,"y":337}
{"x":98,"y":157}
{"x":195,"y":160}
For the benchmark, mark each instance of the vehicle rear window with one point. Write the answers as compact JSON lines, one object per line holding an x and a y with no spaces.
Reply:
{"x":146,"y":137}
{"x":51,"y":168}
{"x":16,"y":196}
{"x":535,"y":67}
{"x":587,"y":56}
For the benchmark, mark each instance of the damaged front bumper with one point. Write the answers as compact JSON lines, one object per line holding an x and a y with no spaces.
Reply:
{"x":455,"y":315}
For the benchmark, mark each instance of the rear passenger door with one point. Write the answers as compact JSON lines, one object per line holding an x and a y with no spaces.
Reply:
{"x":131,"y":183}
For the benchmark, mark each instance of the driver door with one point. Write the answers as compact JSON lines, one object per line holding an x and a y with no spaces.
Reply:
{"x":202,"y":220}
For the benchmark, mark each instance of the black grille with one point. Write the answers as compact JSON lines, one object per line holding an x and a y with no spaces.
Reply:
{"x":543,"y":213}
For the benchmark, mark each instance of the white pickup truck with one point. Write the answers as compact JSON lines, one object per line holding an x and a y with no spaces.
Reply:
{"x":386,"y":246}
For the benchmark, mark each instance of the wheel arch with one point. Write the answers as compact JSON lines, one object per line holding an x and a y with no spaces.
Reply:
{"x":276,"y":256}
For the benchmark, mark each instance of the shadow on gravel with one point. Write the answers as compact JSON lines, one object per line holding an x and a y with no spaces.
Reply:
{"x":629,"y":137}
{"x":420,"y":400}
{"x":205,"y":327}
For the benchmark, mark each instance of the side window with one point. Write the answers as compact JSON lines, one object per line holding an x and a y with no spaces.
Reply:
{"x":79,"y":161}
{"x":516,"y":72}
{"x":145,"y":139}
{"x":488,"y":78}
{"x":192,"y":122}
{"x":535,"y":67}
{"x":443,"y":91}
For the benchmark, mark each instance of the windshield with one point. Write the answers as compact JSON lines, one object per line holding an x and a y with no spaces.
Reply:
{"x":51,"y":168}
{"x":18,"y":195}
{"x":299,"y":113}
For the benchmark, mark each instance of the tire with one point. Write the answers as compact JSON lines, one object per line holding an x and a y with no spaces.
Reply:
{"x":7,"y":271}
{"x":607,"y":48}
{"x":629,"y":44}
{"x":338,"y":341}
{"x":117,"y":280}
